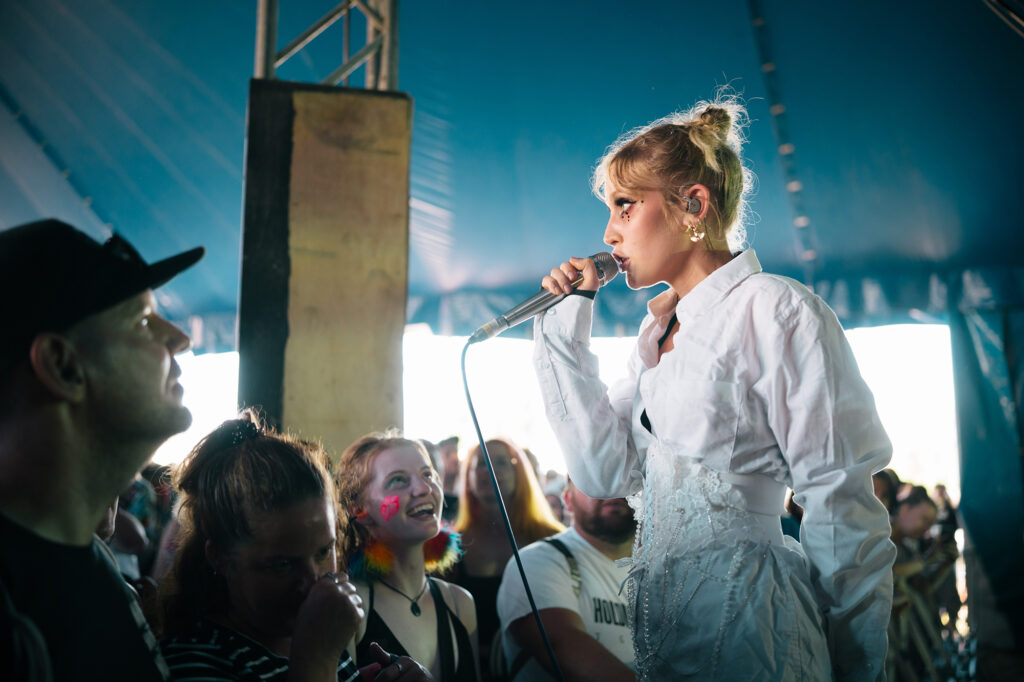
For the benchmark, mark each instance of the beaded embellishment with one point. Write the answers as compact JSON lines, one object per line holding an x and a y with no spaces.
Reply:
{"x":693,"y":536}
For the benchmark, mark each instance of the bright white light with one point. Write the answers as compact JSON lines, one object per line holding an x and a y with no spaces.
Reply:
{"x":908,"y":367}
{"x":211,"y":395}
{"x":503,"y":386}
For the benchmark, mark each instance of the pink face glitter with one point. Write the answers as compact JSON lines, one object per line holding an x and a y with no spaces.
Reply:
{"x":389,"y":507}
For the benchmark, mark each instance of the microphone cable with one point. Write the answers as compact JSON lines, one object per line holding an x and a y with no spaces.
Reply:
{"x":508,"y":524}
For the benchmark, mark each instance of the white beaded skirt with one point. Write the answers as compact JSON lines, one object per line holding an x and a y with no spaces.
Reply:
{"x":715,"y":590}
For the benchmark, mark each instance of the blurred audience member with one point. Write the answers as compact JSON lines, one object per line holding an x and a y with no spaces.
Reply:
{"x":449,"y":448}
{"x":127,"y":542}
{"x":915,"y":644}
{"x":166,"y":549}
{"x":434,"y":454}
{"x":554,"y":487}
{"x":391,"y":514}
{"x":450,"y":508}
{"x":159,"y":477}
{"x":887,"y":484}
{"x":88,"y":392}
{"x":551,"y":477}
{"x":485,"y":541}
{"x":576,"y":586}
{"x":534,"y":463}
{"x":139,"y":499}
{"x":254,"y":593}
{"x":945,"y":513}
{"x":913,"y":515}
{"x":947,"y":597}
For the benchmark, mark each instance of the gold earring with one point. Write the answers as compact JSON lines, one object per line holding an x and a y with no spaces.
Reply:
{"x":696,"y":232}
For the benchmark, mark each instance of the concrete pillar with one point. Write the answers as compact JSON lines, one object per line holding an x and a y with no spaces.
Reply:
{"x":325,"y":258}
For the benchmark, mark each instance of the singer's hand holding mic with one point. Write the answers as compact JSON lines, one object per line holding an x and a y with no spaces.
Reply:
{"x":586,"y":274}
{"x":566,"y":277}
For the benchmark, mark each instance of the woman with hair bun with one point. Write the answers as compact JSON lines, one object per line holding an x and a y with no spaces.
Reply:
{"x":253,"y":594}
{"x":741,"y":384}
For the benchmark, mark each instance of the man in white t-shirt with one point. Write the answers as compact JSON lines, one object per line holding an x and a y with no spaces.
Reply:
{"x":576,"y":586}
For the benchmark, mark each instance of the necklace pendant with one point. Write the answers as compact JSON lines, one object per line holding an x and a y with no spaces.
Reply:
{"x":415,"y":608}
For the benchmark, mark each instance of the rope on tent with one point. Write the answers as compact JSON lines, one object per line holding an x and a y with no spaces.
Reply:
{"x":806,"y":239}
{"x":1008,"y":14}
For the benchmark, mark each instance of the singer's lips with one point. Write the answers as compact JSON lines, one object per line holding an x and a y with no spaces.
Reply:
{"x":620,"y":261}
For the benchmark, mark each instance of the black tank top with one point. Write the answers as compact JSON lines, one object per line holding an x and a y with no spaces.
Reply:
{"x":378,"y":631}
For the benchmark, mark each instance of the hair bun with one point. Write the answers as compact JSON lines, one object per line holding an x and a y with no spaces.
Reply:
{"x":717,"y":120}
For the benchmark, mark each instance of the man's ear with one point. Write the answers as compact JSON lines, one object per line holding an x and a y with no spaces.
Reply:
{"x":57,"y":366}
{"x":567,"y":497}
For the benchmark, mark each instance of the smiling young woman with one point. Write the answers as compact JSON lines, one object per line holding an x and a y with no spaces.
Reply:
{"x":391,"y":537}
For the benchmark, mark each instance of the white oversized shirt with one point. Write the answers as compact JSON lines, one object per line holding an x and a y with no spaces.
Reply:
{"x":762,"y":382}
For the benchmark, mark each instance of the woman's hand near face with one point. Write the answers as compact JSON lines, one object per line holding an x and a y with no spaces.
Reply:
{"x":325,"y":624}
{"x":561,"y":278}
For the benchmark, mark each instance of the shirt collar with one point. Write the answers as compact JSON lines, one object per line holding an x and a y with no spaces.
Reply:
{"x":708,"y":291}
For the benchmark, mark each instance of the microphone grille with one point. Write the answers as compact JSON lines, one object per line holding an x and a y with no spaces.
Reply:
{"x":607,"y":268}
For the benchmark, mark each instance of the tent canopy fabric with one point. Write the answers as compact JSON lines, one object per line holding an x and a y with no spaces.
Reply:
{"x":885,"y":139}
{"x":903,"y":121}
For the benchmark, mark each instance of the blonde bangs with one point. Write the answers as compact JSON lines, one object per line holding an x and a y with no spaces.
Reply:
{"x":628,"y":171}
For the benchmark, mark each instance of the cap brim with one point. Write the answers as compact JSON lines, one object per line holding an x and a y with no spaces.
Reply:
{"x":165,"y":270}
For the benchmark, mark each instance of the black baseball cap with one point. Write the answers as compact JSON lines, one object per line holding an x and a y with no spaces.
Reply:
{"x":53,"y":275}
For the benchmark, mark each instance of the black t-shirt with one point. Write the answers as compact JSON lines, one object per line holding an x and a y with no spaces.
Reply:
{"x":92,"y":626}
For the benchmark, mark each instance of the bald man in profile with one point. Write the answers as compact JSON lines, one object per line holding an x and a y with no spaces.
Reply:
{"x":88,"y":392}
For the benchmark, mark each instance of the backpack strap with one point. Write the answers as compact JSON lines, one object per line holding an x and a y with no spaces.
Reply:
{"x":577,"y":581}
{"x":574,"y":566}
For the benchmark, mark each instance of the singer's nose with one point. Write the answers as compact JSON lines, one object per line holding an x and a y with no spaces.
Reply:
{"x":611,"y":234}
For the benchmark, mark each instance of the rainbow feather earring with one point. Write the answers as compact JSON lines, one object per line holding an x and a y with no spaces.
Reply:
{"x":375,"y":560}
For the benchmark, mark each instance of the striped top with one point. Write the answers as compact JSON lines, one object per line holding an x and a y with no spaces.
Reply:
{"x":210,"y":652}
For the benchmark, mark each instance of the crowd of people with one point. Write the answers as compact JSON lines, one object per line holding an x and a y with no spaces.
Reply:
{"x":662,"y":556}
{"x":926,"y":599}
{"x":255,"y":558}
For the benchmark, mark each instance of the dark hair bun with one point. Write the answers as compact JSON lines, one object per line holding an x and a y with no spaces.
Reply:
{"x":718,"y":121}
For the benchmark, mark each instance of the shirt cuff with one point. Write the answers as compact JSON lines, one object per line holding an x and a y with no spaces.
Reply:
{"x":571,"y":318}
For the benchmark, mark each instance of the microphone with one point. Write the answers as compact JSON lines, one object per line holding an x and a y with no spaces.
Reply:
{"x":607,"y":269}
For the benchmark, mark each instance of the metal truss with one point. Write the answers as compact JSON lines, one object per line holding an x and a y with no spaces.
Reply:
{"x":379,"y":54}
